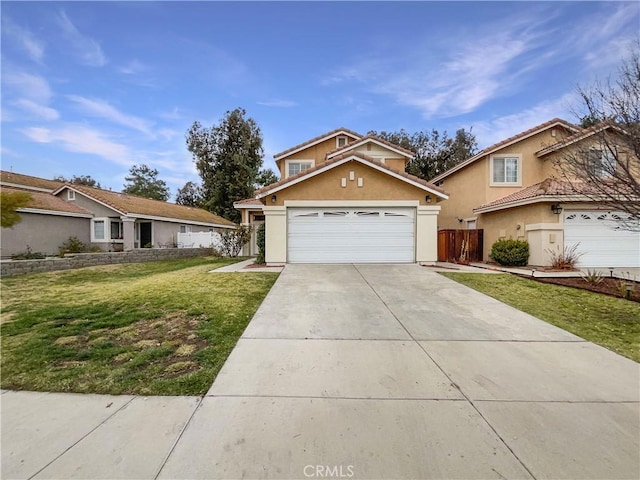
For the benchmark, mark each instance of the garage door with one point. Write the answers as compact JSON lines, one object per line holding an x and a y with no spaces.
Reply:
{"x":601,"y":240}
{"x":345,"y":235}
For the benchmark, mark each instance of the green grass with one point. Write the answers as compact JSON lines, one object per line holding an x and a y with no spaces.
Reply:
{"x":611,"y":322}
{"x":159,"y":328}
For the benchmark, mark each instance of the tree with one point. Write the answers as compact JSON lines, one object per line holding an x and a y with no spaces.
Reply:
{"x":434,"y":152}
{"x":9,"y":204}
{"x":190,"y":195}
{"x":144,"y":182}
{"x":86,"y":180}
{"x":233,"y":239}
{"x":605,"y":166}
{"x":265,"y":177}
{"x":228,"y":157}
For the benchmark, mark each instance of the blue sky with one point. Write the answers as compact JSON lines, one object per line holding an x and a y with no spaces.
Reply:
{"x":91,"y":88}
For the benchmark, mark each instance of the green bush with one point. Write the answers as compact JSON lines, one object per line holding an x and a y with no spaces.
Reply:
{"x":73,"y":245}
{"x":261,"y":244}
{"x":232,"y":240}
{"x":510,"y":252}
{"x":28,"y":255}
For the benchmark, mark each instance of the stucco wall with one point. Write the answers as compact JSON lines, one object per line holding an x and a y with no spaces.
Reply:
{"x":316,"y":152}
{"x":327,"y":186}
{"x":43,"y":233}
{"x":94,"y":207}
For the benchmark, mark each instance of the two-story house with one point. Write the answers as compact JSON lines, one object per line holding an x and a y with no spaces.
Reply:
{"x":345,"y":198}
{"x":513,"y":189}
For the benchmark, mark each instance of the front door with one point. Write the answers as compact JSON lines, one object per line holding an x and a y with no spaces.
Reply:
{"x":146,"y":237}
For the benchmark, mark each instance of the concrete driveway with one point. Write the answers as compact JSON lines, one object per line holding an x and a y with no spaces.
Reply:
{"x":375,"y":371}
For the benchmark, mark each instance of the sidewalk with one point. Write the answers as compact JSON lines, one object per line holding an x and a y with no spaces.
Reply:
{"x":617,"y":272}
{"x":246,"y":266}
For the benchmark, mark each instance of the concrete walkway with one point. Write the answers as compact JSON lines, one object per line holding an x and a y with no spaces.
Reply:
{"x":374,"y":371}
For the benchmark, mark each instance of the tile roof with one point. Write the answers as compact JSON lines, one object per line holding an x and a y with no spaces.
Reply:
{"x":134,"y":205}
{"x":317,"y":139}
{"x":549,"y":187}
{"x":582,"y":134}
{"x":47,"y":201}
{"x":29,"y":181}
{"x":249,"y":202}
{"x":508,"y":141}
{"x":371,"y":137}
{"x":342,"y":157}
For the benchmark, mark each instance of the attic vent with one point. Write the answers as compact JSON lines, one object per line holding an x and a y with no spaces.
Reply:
{"x":71,"y":195}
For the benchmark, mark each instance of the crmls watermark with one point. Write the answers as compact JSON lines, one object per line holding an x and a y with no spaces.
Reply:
{"x":328,"y":471}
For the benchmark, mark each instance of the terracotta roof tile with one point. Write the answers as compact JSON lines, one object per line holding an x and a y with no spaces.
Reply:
{"x":47,"y":201}
{"x":249,"y":201}
{"x":371,"y":137}
{"x":583,"y":133}
{"x":342,"y":157}
{"x":316,"y":139}
{"x":131,"y":204}
{"x":29,"y":181}
{"x":549,"y":187}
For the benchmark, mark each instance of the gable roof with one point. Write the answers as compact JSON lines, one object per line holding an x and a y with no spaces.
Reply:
{"x":141,"y":207}
{"x":248,"y":203}
{"x":28,"y":182}
{"x":555,"y":122}
{"x":373,"y":139}
{"x":339,"y":160}
{"x":318,"y":139}
{"x":578,"y":136}
{"x":43,"y":202}
{"x":549,"y":190}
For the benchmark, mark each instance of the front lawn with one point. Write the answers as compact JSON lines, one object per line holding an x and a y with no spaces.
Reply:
{"x":159,"y":328}
{"x":611,"y":322}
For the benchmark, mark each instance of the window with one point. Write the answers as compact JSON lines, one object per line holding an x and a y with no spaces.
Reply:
{"x":116,"y":230}
{"x":602,"y":162}
{"x":341,"y":142}
{"x":297,"y":167}
{"x":185,"y":228}
{"x":71,"y":195}
{"x":505,"y":170}
{"x":98,"y":230}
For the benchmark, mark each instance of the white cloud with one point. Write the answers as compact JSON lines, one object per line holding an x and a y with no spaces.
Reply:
{"x":29,"y":86}
{"x":278,"y":103}
{"x":495,"y":130}
{"x":24,"y":39}
{"x":84,"y":47}
{"x":100,"y":108}
{"x":40,"y":111}
{"x":82,"y":139}
{"x":134,"y":67}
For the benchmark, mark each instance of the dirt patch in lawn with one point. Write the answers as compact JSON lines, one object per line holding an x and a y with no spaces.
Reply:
{"x":614,"y":287}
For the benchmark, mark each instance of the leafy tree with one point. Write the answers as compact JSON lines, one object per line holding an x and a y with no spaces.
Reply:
{"x":9,"y":203}
{"x":86,"y":180}
{"x":190,"y":195}
{"x":144,"y":182}
{"x":233,"y":239}
{"x":606,"y":166}
{"x":265,"y":177}
{"x":435,"y":152}
{"x":228,"y":157}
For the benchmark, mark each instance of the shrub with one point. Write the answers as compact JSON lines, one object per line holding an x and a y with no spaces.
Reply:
{"x":261,"y":244}
{"x":510,"y":252}
{"x":593,"y":277}
{"x":232,"y":240}
{"x":28,"y":255}
{"x":73,"y":245}
{"x":565,"y":259}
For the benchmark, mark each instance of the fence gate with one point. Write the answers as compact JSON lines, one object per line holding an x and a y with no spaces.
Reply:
{"x":460,"y":246}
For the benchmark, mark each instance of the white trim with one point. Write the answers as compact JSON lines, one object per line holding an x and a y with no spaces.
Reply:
{"x":110,"y":207}
{"x":353,"y":203}
{"x":25,"y":187}
{"x":364,"y":141}
{"x":53,"y":212}
{"x":346,"y":141}
{"x":343,"y":161}
{"x":483,"y":153}
{"x":71,"y":195}
{"x":320,"y":140}
{"x":543,"y":226}
{"x":504,"y":156}
{"x":287,"y":162}
{"x":105,"y":222}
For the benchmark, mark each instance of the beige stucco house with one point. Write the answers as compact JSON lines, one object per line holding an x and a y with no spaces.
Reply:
{"x":513,"y":190}
{"x":345,"y":198}
{"x":102,"y":218}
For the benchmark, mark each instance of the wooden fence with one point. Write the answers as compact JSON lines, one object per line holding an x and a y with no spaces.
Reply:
{"x":460,"y":246}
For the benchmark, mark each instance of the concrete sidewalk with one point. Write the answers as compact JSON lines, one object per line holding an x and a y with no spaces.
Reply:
{"x":375,"y":371}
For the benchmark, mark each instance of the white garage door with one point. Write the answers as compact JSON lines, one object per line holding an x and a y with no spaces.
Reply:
{"x":601,"y":240}
{"x":347,"y":235}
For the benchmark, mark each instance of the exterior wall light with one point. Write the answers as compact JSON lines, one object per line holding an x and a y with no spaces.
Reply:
{"x":273,"y":198}
{"x":556,"y":208}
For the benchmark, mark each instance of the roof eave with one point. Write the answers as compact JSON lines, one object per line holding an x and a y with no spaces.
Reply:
{"x":302,"y":146}
{"x":530,"y":201}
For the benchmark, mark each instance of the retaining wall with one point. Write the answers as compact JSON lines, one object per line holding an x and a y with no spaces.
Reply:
{"x":79,"y":260}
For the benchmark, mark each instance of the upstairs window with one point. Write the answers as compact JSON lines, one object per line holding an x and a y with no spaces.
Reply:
{"x":296,"y":167}
{"x":71,"y":195}
{"x":505,"y":170}
{"x":602,"y":163}
{"x":341,"y":142}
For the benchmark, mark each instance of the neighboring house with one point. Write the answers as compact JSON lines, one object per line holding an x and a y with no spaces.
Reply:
{"x":345,"y":198}
{"x":102,"y":218}
{"x":513,"y":190}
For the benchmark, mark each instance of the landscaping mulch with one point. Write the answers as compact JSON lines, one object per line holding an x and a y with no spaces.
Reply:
{"x":608,"y":286}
